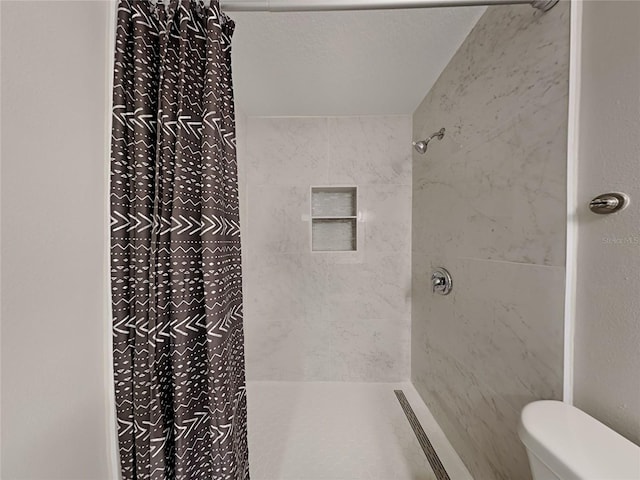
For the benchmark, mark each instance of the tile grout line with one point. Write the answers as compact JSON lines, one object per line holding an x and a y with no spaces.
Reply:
{"x":423,"y":440}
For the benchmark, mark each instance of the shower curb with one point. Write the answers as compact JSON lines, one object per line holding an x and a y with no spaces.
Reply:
{"x":423,"y":440}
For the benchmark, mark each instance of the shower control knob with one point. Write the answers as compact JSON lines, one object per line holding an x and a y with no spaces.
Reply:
{"x":441,"y":281}
{"x":608,"y":203}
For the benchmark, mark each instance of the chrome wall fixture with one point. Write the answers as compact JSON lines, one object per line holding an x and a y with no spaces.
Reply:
{"x":608,"y":203}
{"x":441,"y":281}
{"x":421,"y":146}
{"x":334,"y":5}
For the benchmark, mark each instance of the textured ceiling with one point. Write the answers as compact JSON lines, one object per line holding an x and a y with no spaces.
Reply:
{"x":343,"y":63}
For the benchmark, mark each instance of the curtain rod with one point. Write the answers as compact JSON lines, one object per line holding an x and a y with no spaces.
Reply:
{"x":333,"y":5}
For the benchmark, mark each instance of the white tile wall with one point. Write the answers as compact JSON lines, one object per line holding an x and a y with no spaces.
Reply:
{"x":386,"y":211}
{"x":370,"y":150}
{"x":318,"y":315}
{"x":489,"y":205}
{"x":503,"y":199}
{"x":286,"y":151}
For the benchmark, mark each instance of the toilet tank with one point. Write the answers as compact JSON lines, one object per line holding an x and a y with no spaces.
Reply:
{"x":565,"y":443}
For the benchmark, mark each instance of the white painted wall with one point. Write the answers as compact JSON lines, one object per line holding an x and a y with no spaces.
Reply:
{"x":343,"y":63}
{"x":55,"y":385}
{"x":607,"y":336}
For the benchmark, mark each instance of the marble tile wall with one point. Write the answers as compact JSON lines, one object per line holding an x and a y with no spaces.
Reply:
{"x":320,"y":316}
{"x":489,"y":205}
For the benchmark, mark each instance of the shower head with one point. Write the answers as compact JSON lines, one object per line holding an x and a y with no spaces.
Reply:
{"x":421,"y":146}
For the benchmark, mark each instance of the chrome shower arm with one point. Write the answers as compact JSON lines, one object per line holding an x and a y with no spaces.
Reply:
{"x":439,"y":134}
{"x":421,"y":146}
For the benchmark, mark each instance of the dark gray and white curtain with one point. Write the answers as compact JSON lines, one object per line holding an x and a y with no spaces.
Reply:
{"x":175,"y":246}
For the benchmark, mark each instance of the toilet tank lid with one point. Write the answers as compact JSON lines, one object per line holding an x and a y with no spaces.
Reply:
{"x":574,"y":445}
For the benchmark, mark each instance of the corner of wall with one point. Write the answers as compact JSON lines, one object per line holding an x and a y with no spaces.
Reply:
{"x":113,"y":462}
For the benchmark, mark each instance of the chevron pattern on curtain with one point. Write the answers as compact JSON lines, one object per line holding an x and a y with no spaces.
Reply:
{"x":176,"y":278}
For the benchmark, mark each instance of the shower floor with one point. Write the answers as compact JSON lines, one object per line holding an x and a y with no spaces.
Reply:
{"x":341,"y":431}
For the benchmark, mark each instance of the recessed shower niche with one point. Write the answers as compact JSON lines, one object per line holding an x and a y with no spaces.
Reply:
{"x":334,"y":219}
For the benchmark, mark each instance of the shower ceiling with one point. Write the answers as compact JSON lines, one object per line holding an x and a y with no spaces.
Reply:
{"x":343,"y":63}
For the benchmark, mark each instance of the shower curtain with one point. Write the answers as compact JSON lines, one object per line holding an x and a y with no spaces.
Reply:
{"x":175,"y":246}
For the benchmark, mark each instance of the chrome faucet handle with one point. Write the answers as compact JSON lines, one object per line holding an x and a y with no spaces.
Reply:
{"x":437,"y":282}
{"x":441,"y":281}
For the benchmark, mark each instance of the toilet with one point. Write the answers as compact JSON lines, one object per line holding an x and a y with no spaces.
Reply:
{"x":564,"y":443}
